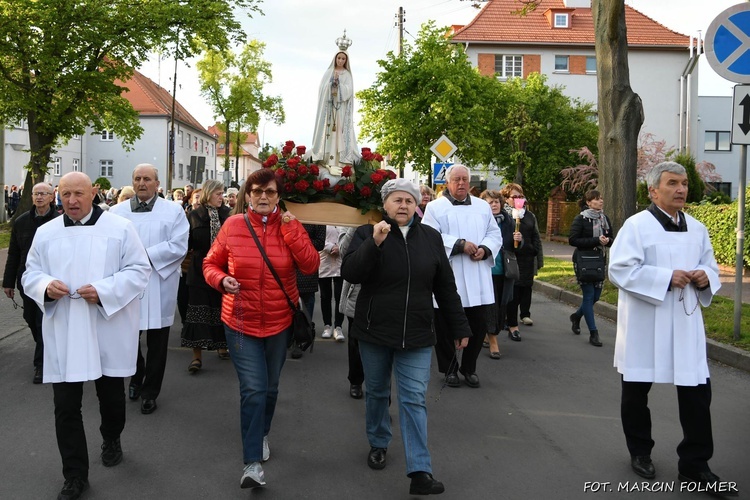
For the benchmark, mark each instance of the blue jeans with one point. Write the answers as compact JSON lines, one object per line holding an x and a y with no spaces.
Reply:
{"x":591,"y":296}
{"x":258,"y":362}
{"x":412,"y":372}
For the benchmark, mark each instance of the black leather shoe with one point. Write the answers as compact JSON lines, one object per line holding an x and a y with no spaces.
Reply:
{"x":594,"y":339}
{"x":514,"y":335}
{"x":134,"y":391}
{"x":111,"y":453}
{"x":471,"y":380}
{"x":451,"y":380}
{"x":355,"y":391}
{"x":148,"y":406}
{"x":296,"y":352}
{"x":422,"y":483}
{"x":376,"y":458}
{"x":643,"y":467}
{"x":710,"y":483}
{"x":73,"y":488}
{"x":38,"y":375}
{"x":575,"y":323}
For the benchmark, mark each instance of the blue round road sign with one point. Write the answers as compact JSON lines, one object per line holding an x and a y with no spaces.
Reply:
{"x":728,"y":44}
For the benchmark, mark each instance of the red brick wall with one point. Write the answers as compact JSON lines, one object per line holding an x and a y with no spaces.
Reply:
{"x":532,"y":63}
{"x":486,"y":64}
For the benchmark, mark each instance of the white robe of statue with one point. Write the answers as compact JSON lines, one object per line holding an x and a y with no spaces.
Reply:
{"x":164,"y":232}
{"x":84,"y":341}
{"x":657,"y":341}
{"x":473,"y":223}
{"x":334,"y":138}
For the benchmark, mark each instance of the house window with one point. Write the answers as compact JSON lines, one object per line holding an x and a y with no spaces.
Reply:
{"x":189,"y":144}
{"x":181,"y":174}
{"x":723,"y":187}
{"x":591,"y":65}
{"x":58,"y":166}
{"x":717,"y":141}
{"x":561,"y":20}
{"x":106,"y":168}
{"x":76,"y":165}
{"x":201,"y":149}
{"x":182,"y":138}
{"x":107,"y":135}
{"x":561,"y":64}
{"x":509,"y":66}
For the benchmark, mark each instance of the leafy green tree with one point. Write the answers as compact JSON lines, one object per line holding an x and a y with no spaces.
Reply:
{"x":60,"y":61}
{"x":429,"y":90}
{"x":538,"y":133}
{"x":696,"y":187}
{"x":233,"y":84}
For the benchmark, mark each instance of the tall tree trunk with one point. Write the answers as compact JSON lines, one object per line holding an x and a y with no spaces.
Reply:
{"x":40,"y":148}
{"x":620,"y":111}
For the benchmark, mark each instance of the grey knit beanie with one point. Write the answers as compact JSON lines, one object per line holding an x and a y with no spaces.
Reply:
{"x":400,"y":185}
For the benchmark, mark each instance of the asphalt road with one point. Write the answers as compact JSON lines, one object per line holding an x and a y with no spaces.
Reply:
{"x":544,"y":424}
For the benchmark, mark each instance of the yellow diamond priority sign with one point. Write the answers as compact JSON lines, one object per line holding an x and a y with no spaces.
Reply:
{"x":443,"y":148}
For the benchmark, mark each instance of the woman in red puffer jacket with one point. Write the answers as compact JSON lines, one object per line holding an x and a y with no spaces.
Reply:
{"x":255,"y":311}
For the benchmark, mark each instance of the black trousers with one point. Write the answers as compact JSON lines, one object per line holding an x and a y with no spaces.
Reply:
{"x":330,"y":288}
{"x":522,"y":300}
{"x":33,"y":317}
{"x":445,"y":348}
{"x":697,"y":445}
{"x":150,"y":371}
{"x":183,"y":295}
{"x":356,"y":372}
{"x":71,"y":438}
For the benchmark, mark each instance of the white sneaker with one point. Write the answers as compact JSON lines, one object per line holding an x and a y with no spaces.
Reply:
{"x":527,"y":321}
{"x":252,"y":477}
{"x":327,"y":332}
{"x":266,"y":449}
{"x":338,"y":334}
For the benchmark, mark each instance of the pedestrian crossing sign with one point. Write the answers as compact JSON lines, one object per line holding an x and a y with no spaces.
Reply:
{"x":438,"y":173}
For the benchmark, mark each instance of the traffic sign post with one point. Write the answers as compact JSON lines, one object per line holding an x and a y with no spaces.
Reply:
{"x":728,"y":53}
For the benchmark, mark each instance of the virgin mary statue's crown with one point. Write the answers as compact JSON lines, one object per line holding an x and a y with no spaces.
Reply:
{"x":343,"y":42}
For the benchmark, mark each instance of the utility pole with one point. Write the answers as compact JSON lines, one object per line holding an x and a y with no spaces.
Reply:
{"x":400,"y":19}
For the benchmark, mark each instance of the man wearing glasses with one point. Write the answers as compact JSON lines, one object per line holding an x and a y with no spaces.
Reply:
{"x":21,"y":237}
{"x":86,"y":270}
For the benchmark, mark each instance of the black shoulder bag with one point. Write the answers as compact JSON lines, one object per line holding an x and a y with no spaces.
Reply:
{"x":590,"y":265}
{"x":303,"y":333}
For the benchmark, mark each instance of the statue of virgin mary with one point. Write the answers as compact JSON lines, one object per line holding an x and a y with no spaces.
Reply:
{"x":334,"y":139}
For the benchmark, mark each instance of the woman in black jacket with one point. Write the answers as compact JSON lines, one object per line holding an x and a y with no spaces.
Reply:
{"x":203,"y":327}
{"x":530,"y":259}
{"x":591,"y":230}
{"x":400,"y":263}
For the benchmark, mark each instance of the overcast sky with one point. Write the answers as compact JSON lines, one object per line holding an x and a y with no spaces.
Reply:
{"x":300,"y":43}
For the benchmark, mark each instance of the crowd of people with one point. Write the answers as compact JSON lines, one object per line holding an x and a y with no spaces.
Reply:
{"x":444,"y":274}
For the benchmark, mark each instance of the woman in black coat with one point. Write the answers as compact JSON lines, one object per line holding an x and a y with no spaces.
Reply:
{"x":203,"y":328}
{"x":591,"y":230}
{"x":400,"y":264}
{"x":530,"y":259}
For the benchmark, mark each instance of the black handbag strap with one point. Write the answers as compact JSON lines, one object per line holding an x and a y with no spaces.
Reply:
{"x":268,"y":262}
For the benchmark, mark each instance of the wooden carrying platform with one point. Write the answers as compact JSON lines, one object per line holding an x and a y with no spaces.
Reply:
{"x":332,"y":214}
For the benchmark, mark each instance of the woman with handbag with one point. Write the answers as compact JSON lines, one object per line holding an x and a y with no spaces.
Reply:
{"x":400,"y":263}
{"x":255,"y":309}
{"x":202,"y":326}
{"x":591,"y":230}
{"x":503,"y":274}
{"x":530,"y":258}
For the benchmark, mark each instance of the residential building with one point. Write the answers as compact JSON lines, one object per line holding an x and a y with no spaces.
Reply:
{"x":240,"y":165}
{"x":100,"y":153}
{"x":714,"y":131}
{"x":557,"y":40}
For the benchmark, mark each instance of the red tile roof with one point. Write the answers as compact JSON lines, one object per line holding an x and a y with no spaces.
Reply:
{"x":495,"y":23}
{"x":149,"y":99}
{"x":252,"y":138}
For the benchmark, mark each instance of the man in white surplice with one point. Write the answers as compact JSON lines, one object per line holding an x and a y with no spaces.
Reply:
{"x":86,"y":270}
{"x":163,"y":228}
{"x":663,"y":264}
{"x":471,"y":238}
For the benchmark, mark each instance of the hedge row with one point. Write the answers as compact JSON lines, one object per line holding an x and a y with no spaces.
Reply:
{"x":721,"y":222}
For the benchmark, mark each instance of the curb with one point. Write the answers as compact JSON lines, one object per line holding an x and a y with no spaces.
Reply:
{"x":725,"y":354}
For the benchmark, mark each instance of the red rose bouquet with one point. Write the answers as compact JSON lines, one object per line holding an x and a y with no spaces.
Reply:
{"x":360,"y":183}
{"x":299,"y":180}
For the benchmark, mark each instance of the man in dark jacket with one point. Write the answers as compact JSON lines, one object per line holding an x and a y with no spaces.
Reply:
{"x":20,"y":242}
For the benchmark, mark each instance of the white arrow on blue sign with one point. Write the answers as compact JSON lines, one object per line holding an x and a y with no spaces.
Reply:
{"x":728,"y":44}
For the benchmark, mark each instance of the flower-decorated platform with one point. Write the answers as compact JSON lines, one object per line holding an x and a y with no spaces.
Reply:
{"x":353,"y":199}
